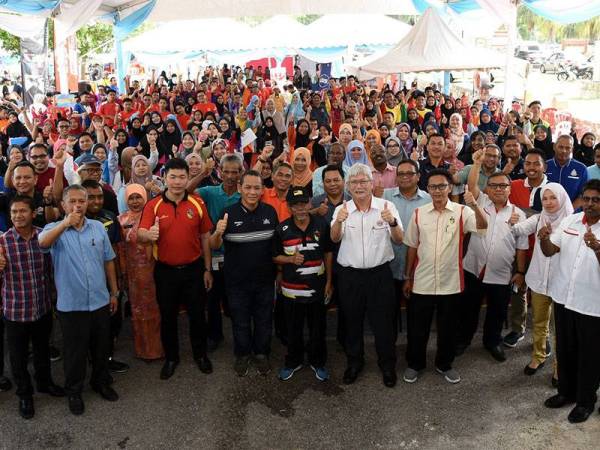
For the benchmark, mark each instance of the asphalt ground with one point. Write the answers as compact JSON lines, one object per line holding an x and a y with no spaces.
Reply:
{"x":495,"y":406}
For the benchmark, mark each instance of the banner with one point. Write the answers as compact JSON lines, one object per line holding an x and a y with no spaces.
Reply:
{"x":34,"y":65}
{"x":66,"y":71}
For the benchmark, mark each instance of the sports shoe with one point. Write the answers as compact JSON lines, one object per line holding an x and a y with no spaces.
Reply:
{"x":321,"y":373}
{"x":241,"y":365}
{"x":450,"y":375}
{"x":286,"y":373}
{"x":262,"y":364}
{"x":513,"y":338}
{"x":410,"y":375}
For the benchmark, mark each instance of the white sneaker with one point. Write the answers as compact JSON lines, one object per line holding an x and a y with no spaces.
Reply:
{"x":410,"y":375}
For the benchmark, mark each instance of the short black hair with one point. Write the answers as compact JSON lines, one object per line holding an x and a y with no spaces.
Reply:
{"x":332,"y":168}
{"x":537,"y":151}
{"x":85,"y":133}
{"x":591,"y":185}
{"x":436,"y":134}
{"x":440,"y":172}
{"x":91,"y":184}
{"x":510,"y":137}
{"x":411,"y":162}
{"x":498,"y":174}
{"x":22,"y":199}
{"x":24,"y":164}
{"x":39,"y":145}
{"x":250,"y":173}
{"x":535,"y":102}
{"x":176,"y":164}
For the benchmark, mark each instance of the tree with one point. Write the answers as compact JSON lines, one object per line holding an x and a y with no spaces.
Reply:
{"x":9,"y":42}
{"x":94,"y":38}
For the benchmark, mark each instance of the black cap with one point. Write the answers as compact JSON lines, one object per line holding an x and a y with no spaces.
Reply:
{"x":298,"y":194}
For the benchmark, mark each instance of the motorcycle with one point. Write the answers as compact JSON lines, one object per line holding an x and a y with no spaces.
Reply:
{"x":572,"y":71}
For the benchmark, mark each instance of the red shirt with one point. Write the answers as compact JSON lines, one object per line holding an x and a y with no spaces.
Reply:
{"x":183,"y":120}
{"x":125,"y":115}
{"x":205,"y":107}
{"x":108,"y":111}
{"x":43,"y":179}
{"x":180,"y":226}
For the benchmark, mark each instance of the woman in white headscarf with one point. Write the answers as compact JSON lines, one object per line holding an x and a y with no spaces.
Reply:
{"x":556,"y":206}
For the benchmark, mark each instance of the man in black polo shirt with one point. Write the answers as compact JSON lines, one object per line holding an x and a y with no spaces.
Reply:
{"x":246,"y":229}
{"x":95,"y":210}
{"x":304,"y":251}
{"x":435,"y":158}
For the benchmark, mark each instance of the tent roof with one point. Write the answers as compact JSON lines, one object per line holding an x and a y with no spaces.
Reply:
{"x":430,"y":46}
{"x":278,"y":31}
{"x":335,"y":30}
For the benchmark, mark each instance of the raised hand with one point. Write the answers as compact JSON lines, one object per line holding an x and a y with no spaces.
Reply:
{"x":590,"y":239}
{"x":478,"y":157}
{"x":387,"y":215}
{"x":514,"y":217}
{"x":323,"y":209}
{"x":342,"y":214}
{"x":378,"y":189}
{"x":222,"y":225}
{"x":468,"y":197}
{"x":154,"y":231}
{"x":72,"y":219}
{"x":47,"y":194}
{"x":545,"y":232}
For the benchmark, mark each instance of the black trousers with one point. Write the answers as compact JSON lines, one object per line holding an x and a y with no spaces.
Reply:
{"x":314,"y":314}
{"x":216,"y":299}
{"x":577,"y":355}
{"x":176,"y":286}
{"x":279,"y":317}
{"x":116,"y":323}
{"x":85,"y":333}
{"x":398,"y":284}
{"x":18,"y":335}
{"x":419,"y":316}
{"x":335,"y":300}
{"x":369,"y":292}
{"x":469,"y":306}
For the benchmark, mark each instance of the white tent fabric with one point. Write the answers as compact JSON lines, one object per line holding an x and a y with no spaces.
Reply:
{"x":24,"y":29}
{"x":336,"y":30}
{"x":279,"y":31}
{"x":73,"y":17}
{"x":165,"y":10}
{"x":430,"y":46}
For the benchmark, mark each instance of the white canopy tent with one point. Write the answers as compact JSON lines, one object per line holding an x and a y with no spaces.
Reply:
{"x":430,"y":46}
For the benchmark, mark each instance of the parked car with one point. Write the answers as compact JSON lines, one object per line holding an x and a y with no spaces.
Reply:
{"x":529,"y":52}
{"x":553,"y":63}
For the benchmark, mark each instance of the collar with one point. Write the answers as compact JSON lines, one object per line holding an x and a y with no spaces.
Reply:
{"x":388,"y":168}
{"x":418,"y":194}
{"x":18,"y":237}
{"x":527,"y":185}
{"x":376,"y":203}
{"x":450,"y":206}
{"x":167,"y":200}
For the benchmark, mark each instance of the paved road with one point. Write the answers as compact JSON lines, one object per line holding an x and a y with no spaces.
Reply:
{"x":494,"y":407}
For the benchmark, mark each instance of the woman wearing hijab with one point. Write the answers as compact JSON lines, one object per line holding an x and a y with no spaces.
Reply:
{"x":188,"y":144}
{"x":16,"y":129}
{"x":138,"y":268}
{"x":584,"y":150}
{"x":372,"y":138}
{"x":542,"y":139}
{"x":301,"y":161}
{"x":122,"y":139}
{"x":270,"y":111}
{"x":393,"y":151}
{"x":355,"y":153}
{"x":294,"y":111}
{"x":345,"y":134}
{"x":171,"y":136}
{"x":455,"y":132}
{"x":413,"y":120}
{"x":141,"y":173}
{"x":403,"y":133}
{"x":320,"y":148}
{"x":486,"y":123}
{"x":300,"y":136}
{"x":556,"y":205}
{"x":267,"y":133}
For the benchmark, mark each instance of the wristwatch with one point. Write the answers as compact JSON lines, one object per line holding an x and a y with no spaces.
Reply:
{"x":394,"y":223}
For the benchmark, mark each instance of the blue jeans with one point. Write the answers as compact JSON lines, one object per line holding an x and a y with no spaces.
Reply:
{"x":251,"y":308}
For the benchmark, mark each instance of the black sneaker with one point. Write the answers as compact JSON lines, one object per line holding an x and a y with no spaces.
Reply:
{"x":117,"y":366}
{"x":5,"y":384}
{"x":55,"y":354}
{"x":513,"y":338}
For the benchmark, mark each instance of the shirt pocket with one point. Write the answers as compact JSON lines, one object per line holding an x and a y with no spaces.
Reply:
{"x":379,"y":234}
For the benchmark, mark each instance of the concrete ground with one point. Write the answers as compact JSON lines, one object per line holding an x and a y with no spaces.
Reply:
{"x":494,"y":407}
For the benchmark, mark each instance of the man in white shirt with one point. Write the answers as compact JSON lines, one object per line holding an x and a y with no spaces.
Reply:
{"x":574,"y":288}
{"x":434,"y":273}
{"x":365,"y":227}
{"x":489,"y":266}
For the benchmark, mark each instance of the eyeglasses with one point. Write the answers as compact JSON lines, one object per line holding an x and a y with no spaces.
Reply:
{"x":437,"y":187}
{"x":594,"y":200}
{"x":496,"y":186}
{"x":405,"y":174}
{"x":393,"y":145}
{"x":360,"y":182}
{"x":34,"y":157}
{"x":92,"y":170}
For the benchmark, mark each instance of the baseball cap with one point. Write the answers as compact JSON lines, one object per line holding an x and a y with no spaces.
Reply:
{"x":89,"y":159}
{"x":298,"y":194}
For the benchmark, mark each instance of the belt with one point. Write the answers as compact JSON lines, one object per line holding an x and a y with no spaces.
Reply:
{"x":369,"y":270}
{"x":180,"y":267}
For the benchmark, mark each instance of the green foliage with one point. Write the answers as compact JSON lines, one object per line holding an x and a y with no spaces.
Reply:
{"x":307,"y":19}
{"x":534,"y":27}
{"x":94,"y":38}
{"x":9,"y":42}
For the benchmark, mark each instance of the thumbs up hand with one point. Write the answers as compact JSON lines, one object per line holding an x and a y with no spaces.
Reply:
{"x":2,"y":259}
{"x":468,"y":197}
{"x":514,"y":217}
{"x":342,"y":214}
{"x":47,"y":194}
{"x":297,"y":258}
{"x":222,"y":225}
{"x":590,"y":239}
{"x":387,"y":215}
{"x":323,"y":209}
{"x":545,"y":232}
{"x":378,"y":190}
{"x":154,"y":231}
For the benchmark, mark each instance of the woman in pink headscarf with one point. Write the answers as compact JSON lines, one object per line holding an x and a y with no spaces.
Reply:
{"x":138,"y":267}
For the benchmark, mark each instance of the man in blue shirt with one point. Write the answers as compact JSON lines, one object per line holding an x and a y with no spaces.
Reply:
{"x":217,"y":198}
{"x":594,"y":170}
{"x":565,"y":170}
{"x":83,"y":263}
{"x":406,"y":198}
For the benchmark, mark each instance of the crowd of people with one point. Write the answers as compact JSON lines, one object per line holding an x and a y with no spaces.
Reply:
{"x":232,"y":195}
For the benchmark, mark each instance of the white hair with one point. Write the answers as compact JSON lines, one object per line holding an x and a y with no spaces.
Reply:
{"x":358,"y":169}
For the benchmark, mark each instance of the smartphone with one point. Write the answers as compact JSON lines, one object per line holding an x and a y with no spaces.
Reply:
{"x":268,"y":142}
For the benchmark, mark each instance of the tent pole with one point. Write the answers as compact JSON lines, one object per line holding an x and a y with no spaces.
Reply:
{"x":447,"y":82}
{"x":508,"y":69}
